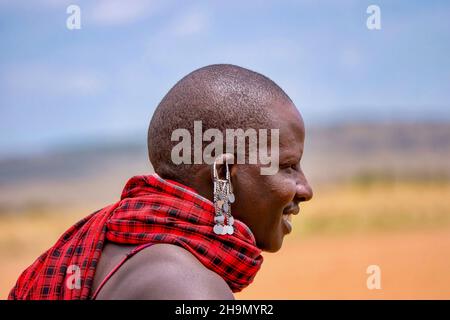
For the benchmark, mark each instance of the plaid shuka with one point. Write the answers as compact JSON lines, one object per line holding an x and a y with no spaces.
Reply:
{"x":151,"y":210}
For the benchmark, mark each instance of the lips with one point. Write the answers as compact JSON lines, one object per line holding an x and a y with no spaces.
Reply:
{"x":287,"y":216}
{"x":292,"y":209}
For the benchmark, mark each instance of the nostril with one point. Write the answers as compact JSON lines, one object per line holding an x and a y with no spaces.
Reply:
{"x":304,"y":197}
{"x":304,"y":193}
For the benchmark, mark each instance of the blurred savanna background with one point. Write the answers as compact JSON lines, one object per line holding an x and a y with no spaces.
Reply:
{"x":75,"y":106}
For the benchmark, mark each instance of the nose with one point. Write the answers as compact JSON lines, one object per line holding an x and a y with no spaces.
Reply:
{"x":303,"y":190}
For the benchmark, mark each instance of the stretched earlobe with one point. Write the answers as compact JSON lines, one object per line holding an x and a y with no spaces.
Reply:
{"x":220,"y":165}
{"x":223,"y":198}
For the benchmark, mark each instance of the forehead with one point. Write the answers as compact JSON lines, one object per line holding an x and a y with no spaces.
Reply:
{"x":288,"y":120}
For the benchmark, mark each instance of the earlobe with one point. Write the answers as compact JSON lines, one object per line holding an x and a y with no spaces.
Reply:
{"x":233,"y":170}
{"x":219,"y":163}
{"x":223,"y":197}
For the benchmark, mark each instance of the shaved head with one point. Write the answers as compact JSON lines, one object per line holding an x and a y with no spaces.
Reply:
{"x":228,"y":97}
{"x":222,"y":97}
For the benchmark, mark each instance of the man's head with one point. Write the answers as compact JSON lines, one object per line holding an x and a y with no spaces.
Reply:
{"x":229,"y":97}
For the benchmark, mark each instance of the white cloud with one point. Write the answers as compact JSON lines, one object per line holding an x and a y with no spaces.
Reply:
{"x":192,"y":22}
{"x":51,"y":81}
{"x":46,"y":4}
{"x":120,"y":12}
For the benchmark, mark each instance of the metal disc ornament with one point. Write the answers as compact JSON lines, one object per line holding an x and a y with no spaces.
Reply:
{"x":225,"y":207}
{"x":218,"y":229}
{"x":224,"y":230}
{"x":219,"y":219}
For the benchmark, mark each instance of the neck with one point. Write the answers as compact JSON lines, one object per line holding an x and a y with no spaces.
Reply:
{"x":201,"y":182}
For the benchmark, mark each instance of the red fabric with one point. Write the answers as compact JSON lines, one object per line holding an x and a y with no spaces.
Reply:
{"x":151,"y":210}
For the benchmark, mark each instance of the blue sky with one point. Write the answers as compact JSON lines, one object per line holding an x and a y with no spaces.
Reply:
{"x":104,"y":80}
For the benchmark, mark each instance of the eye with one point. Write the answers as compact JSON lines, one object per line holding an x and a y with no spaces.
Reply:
{"x":285,"y":166}
{"x":290,"y":166}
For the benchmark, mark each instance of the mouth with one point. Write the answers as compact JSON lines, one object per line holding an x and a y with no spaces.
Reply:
{"x":287,"y":216}
{"x":292,"y":209}
{"x":287,"y":222}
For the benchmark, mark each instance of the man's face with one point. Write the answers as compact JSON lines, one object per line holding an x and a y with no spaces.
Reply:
{"x":266,"y":203}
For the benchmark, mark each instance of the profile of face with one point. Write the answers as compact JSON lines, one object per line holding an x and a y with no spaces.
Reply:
{"x":227,"y":97}
{"x":266,"y":203}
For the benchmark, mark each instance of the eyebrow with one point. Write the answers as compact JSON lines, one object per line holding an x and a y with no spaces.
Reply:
{"x":288,"y":156}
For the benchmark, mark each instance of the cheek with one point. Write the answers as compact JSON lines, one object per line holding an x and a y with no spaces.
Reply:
{"x":281,"y":192}
{"x":278,"y":192}
{"x":271,"y":194}
{"x":260,"y":202}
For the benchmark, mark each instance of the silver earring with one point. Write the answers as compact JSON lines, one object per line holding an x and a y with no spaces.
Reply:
{"x":223,"y":198}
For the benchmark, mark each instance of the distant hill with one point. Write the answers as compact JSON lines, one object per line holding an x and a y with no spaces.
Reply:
{"x":405,"y":150}
{"x":94,"y":175}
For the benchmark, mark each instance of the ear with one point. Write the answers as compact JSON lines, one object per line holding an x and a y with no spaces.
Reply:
{"x":220,"y":166}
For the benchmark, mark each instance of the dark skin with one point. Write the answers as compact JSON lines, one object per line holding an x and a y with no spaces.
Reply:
{"x":160,"y":272}
{"x":261,"y":201}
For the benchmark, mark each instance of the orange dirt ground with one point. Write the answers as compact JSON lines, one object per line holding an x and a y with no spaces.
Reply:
{"x":414,"y":265}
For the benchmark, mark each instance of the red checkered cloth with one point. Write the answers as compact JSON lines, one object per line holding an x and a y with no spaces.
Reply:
{"x":151,"y":210}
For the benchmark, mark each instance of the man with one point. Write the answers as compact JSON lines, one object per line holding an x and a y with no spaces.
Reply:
{"x":158,"y":241}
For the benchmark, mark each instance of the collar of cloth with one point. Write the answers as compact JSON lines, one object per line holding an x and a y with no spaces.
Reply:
{"x":151,"y":210}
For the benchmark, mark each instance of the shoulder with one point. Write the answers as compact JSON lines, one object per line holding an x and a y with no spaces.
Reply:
{"x":165,"y":271}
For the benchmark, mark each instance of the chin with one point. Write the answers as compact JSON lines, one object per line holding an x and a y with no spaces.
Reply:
{"x":272,"y":245}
